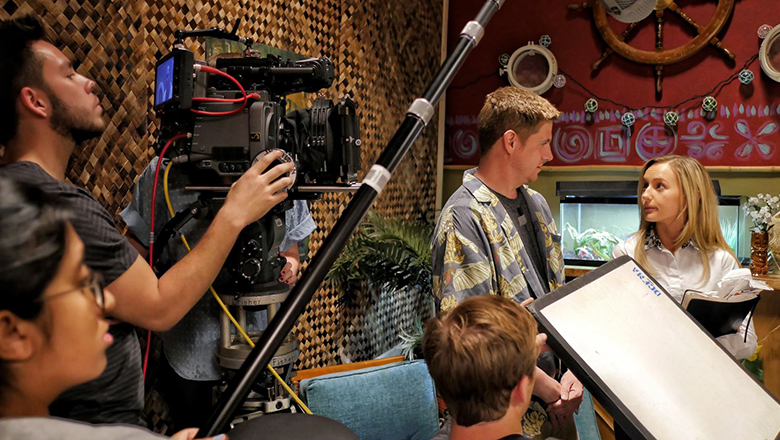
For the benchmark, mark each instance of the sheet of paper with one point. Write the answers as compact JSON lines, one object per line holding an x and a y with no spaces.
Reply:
{"x":675,"y":380}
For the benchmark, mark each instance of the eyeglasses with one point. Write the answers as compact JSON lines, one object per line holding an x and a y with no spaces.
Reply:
{"x":94,"y":283}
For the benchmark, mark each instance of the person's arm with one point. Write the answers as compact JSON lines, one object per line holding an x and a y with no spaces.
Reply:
{"x":299,"y":225}
{"x":157,"y":304}
{"x":570,"y":399}
{"x":460,"y":264}
{"x":545,"y":387}
{"x":740,"y":346}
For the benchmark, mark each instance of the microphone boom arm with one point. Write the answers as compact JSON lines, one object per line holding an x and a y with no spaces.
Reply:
{"x":419,"y":114}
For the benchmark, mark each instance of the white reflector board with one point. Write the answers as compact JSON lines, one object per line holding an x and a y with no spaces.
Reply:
{"x":656,"y":370}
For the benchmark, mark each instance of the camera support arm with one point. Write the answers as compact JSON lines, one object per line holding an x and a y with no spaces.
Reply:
{"x":418,"y":116}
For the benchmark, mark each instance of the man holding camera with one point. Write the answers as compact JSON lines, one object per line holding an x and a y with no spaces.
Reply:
{"x":46,"y":109}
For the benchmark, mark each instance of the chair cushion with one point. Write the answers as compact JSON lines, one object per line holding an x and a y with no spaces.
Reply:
{"x":396,"y":401}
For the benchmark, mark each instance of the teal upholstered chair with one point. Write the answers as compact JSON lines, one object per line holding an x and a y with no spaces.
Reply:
{"x":389,"y":402}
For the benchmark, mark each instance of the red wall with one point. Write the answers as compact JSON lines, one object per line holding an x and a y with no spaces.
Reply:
{"x":746,"y":130}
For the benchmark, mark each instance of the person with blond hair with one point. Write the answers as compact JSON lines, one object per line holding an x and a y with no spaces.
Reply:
{"x":496,"y":236}
{"x":679,"y":240}
{"x":482,"y":357}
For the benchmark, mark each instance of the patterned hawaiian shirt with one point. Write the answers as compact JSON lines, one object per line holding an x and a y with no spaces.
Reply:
{"x":477,"y":250}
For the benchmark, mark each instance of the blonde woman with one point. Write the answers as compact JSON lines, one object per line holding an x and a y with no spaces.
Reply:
{"x":679,"y":239}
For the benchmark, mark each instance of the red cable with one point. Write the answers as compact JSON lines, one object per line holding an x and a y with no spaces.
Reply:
{"x":242,"y":100}
{"x":151,"y":230}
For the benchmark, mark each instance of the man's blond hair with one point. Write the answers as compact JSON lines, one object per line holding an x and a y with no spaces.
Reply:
{"x":478,"y":353}
{"x":512,"y":108}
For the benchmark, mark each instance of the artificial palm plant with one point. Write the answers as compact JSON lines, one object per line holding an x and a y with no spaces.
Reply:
{"x":385,"y":253}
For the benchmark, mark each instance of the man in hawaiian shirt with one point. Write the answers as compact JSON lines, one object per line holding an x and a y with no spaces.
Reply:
{"x":496,"y":236}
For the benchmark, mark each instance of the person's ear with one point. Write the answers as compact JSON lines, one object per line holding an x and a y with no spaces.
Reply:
{"x":510,"y":141}
{"x":36,"y":101}
{"x":16,"y":337}
{"x":521,"y":394}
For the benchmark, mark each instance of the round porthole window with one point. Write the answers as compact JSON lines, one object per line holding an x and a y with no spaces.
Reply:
{"x":532,"y":68}
{"x":770,"y":54}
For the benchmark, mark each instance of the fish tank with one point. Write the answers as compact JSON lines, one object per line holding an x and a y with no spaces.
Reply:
{"x":596,"y":216}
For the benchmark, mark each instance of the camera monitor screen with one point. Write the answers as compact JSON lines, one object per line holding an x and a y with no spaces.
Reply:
{"x":656,"y":370}
{"x":164,"y":82}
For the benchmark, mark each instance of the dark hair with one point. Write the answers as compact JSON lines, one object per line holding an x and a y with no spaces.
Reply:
{"x":32,"y":245}
{"x":19,"y":67}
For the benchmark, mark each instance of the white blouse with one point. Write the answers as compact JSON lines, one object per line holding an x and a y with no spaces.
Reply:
{"x":682,"y":270}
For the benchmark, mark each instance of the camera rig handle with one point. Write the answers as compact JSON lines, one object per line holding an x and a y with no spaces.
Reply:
{"x":215,"y":32}
{"x":418,"y":115}
{"x":197,"y":210}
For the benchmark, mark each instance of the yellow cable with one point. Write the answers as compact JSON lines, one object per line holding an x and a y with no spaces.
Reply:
{"x":222,"y":304}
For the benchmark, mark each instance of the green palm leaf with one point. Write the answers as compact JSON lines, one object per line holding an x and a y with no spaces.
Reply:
{"x":386,"y":253}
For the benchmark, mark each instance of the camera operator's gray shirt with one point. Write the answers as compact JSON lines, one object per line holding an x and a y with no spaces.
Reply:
{"x":190,"y":346}
{"x":47,"y":428}
{"x":117,"y":395}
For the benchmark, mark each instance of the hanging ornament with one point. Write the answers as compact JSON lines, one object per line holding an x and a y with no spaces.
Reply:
{"x":591,"y":105}
{"x":746,"y":76}
{"x":545,"y":40}
{"x":764,"y":30}
{"x":628,"y":119}
{"x":559,"y":81}
{"x":709,"y":104}
{"x":671,"y":118}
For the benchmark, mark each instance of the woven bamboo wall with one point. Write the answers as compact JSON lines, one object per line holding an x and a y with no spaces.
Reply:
{"x":384,"y":52}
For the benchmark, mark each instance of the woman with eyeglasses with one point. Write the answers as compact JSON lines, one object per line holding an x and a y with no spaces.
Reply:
{"x":53,"y":334}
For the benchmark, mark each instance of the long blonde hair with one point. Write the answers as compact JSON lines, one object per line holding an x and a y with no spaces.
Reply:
{"x":699,"y":206}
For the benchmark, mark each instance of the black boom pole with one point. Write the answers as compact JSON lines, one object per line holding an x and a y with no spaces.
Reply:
{"x":419,"y":114}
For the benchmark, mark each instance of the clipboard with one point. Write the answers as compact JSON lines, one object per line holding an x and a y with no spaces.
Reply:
{"x":656,"y":370}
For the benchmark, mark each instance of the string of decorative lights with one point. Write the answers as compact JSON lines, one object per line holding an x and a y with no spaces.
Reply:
{"x":709,"y":103}
{"x":713,"y":91}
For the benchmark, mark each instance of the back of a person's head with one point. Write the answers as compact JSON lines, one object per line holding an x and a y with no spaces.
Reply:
{"x":19,"y":67}
{"x":478,"y":353}
{"x":32,"y":245}
{"x":512,"y":108}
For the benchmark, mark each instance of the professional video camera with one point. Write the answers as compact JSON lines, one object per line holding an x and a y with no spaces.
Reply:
{"x":237,"y":112}
{"x":215,"y":122}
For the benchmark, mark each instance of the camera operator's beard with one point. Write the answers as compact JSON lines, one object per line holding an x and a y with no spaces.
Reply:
{"x":72,"y":124}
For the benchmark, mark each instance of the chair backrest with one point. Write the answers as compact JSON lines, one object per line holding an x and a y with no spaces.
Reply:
{"x":390,"y":402}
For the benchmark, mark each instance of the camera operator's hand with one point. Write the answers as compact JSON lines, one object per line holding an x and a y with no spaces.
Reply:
{"x":257,"y":191}
{"x":190,"y":433}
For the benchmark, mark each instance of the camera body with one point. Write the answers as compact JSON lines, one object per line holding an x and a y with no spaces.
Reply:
{"x":236,"y":112}
{"x":228,"y":135}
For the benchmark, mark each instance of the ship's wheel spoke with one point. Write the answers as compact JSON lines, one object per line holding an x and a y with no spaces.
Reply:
{"x":714,"y":41}
{"x":609,"y":51}
{"x":659,"y":47}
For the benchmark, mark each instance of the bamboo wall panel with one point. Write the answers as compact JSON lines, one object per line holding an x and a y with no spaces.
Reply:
{"x":384,"y":53}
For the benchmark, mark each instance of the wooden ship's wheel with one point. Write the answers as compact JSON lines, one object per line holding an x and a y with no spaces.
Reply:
{"x":661,"y":56}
